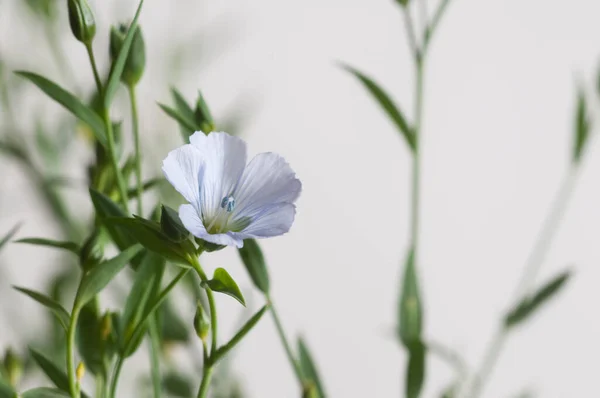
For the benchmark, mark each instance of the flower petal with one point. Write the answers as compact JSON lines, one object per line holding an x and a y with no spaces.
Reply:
{"x":192,"y":222}
{"x":268,"y":180}
{"x":224,"y":157}
{"x":271,"y":221}
{"x":183,"y":168}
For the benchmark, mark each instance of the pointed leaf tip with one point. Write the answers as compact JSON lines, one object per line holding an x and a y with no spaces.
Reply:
{"x":222,"y":282}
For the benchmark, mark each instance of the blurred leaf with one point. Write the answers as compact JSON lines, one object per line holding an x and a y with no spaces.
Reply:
{"x":530,"y":304}
{"x":57,"y":375}
{"x":186,"y":124}
{"x":148,"y":279}
{"x":386,"y":103}
{"x":410,"y":312}
{"x":222,"y":282}
{"x":223,"y":350}
{"x":13,"y":150}
{"x":66,"y":245}
{"x":70,"y":102}
{"x":61,"y":314}
{"x":100,"y":275}
{"x":6,"y":238}
{"x":118,"y":65}
{"x":132,"y":193}
{"x":415,"y":373}
{"x":177,"y":385}
{"x":149,"y":235}
{"x":106,"y":208}
{"x":582,"y":128}
{"x":173,"y":328}
{"x":44,"y":392}
{"x":6,"y":391}
{"x":89,"y":338}
{"x":253,"y":259}
{"x":186,"y":112}
{"x":308,"y":367}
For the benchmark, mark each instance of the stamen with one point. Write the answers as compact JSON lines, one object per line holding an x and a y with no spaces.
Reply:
{"x":228,"y":203}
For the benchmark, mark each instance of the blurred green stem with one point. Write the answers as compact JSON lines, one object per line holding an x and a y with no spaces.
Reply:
{"x":71,"y":352}
{"x":155,"y":356}
{"x":285,"y":342}
{"x":90,"y":53}
{"x":532,"y":266}
{"x":136,"y":140}
{"x":115,"y":376}
{"x":100,"y":384}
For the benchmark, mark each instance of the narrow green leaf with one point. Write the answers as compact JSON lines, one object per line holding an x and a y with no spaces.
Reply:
{"x":410,"y":311}
{"x":222,"y":351}
{"x":308,"y":367}
{"x":66,"y":245}
{"x":149,"y":235}
{"x":531,"y":304}
{"x":222,"y":282}
{"x":171,"y":225}
{"x":9,"y":235}
{"x":106,"y":208}
{"x":70,"y":102}
{"x":12,"y":149}
{"x":100,"y":275}
{"x":582,"y":128}
{"x":415,"y":372}
{"x":253,"y":259}
{"x":44,"y":392}
{"x":61,"y":314}
{"x":179,"y":118}
{"x":57,"y":375}
{"x":186,"y":111}
{"x":6,"y":391}
{"x":118,"y":65}
{"x":388,"y":105}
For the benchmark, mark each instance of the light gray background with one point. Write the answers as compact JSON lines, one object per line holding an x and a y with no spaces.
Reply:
{"x":500,"y":90}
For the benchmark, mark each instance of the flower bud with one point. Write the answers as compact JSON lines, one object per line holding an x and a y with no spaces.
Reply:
{"x":82,"y":21}
{"x":92,"y":251}
{"x":80,"y":371}
{"x":136,"y":59}
{"x":201,"y":323}
{"x":203,"y":117}
{"x":13,"y":367}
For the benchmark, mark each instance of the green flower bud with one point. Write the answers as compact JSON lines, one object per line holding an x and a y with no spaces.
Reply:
{"x":82,"y":21}
{"x":201,"y":323}
{"x":136,"y":59}
{"x":203,"y":117}
{"x":13,"y":367}
{"x":92,"y":251}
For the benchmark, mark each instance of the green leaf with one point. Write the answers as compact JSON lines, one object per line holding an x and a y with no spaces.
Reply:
{"x":44,"y":392}
{"x":186,"y":111}
{"x":149,"y":235}
{"x":14,"y":150}
{"x":171,"y":225}
{"x":222,"y":351}
{"x":10,"y":234}
{"x":410,"y":308}
{"x":106,"y":208}
{"x":148,"y":278}
{"x":184,"y":122}
{"x":177,"y":385}
{"x":222,"y":282}
{"x":530,"y":304}
{"x":308,"y":367}
{"x":6,"y":391}
{"x":90,"y":343}
{"x":70,"y":102}
{"x":118,"y":65}
{"x":253,"y":259}
{"x":415,"y":372}
{"x":385,"y":101}
{"x":66,"y":245}
{"x":172,"y":327}
{"x":100,"y":275}
{"x":582,"y":128}
{"x":57,"y":375}
{"x":61,"y":314}
{"x":132,"y":192}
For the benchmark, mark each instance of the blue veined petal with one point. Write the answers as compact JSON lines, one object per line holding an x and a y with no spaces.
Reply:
{"x":271,"y":221}
{"x":192,"y":222}
{"x":183,"y":168}
{"x":267,"y":180}
{"x":224,"y":158}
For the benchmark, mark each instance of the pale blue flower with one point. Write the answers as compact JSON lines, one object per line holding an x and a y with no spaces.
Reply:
{"x":229,"y":200}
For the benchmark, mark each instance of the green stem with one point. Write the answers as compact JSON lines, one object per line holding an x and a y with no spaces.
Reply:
{"x":90,"y":52}
{"x":532,"y":266}
{"x":437,"y":17}
{"x":115,"y":376}
{"x":100,"y":384}
{"x":285,"y":342}
{"x":155,"y":356}
{"x":136,"y":140}
{"x":205,"y":384}
{"x":71,"y":352}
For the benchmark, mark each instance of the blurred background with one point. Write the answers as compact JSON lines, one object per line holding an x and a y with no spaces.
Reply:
{"x":499,"y":102}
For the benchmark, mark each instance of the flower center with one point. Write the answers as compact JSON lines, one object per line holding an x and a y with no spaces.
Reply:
{"x":220,"y":221}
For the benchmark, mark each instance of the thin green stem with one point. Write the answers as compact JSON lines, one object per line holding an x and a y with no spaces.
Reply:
{"x":205,"y":384}
{"x":155,"y":356}
{"x":410,"y":31}
{"x":71,"y":352}
{"x":136,"y":140}
{"x":437,"y":17}
{"x":532,"y":266}
{"x":285,"y":342}
{"x":112,"y":151}
{"x":100,"y":384}
{"x":90,"y":52}
{"x":115,"y":376}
